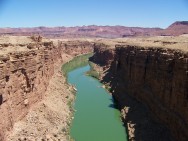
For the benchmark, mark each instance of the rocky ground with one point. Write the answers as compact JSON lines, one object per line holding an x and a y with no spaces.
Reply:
{"x":165,"y":42}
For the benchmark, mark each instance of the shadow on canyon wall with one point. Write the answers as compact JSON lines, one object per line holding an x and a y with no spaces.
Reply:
{"x":138,"y":117}
{"x":138,"y":114}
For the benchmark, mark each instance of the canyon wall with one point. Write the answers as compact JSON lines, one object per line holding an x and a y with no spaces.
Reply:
{"x":156,"y":77}
{"x":25,"y":75}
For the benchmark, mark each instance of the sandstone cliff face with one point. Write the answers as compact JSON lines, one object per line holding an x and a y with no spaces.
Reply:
{"x":156,"y":77}
{"x":104,"y":56}
{"x":24,"y":78}
{"x":77,"y":47}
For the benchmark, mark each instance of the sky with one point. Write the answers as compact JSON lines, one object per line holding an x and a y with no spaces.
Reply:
{"x":132,"y":13}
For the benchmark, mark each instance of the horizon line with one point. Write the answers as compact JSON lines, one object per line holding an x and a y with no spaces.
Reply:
{"x":41,"y":26}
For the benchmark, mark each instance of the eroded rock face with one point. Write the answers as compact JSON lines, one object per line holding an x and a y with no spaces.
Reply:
{"x":77,"y":47}
{"x":104,"y":56}
{"x":24,"y":78}
{"x":154,"y":76}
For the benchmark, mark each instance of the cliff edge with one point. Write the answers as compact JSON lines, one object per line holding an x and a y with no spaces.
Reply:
{"x":29,"y":67}
{"x":153,"y":75}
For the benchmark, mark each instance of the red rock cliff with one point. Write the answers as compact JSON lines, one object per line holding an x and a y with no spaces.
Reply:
{"x":154,"y":76}
{"x":25,"y":75}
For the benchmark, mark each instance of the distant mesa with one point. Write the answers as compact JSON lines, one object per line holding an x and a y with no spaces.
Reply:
{"x":175,"y":29}
{"x":180,"y":23}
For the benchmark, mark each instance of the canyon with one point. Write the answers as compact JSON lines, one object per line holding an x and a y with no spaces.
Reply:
{"x":147,"y":76}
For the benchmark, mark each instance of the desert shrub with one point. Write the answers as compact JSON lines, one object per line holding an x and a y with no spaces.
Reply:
{"x":36,"y":38}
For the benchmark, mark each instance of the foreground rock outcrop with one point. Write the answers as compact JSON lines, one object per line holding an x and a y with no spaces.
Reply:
{"x":154,"y":76}
{"x":26,"y":68}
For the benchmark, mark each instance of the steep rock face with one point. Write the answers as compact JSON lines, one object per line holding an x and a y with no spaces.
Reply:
{"x":104,"y":56}
{"x":77,"y":47}
{"x":157,"y":77}
{"x":24,"y":78}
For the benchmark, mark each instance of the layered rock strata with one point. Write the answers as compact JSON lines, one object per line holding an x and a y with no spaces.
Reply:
{"x":25,"y":73}
{"x":156,"y":77}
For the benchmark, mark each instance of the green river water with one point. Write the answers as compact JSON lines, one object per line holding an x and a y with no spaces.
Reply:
{"x":95,"y":118}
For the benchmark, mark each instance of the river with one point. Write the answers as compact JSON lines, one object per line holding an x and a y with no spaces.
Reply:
{"x":95,"y":117}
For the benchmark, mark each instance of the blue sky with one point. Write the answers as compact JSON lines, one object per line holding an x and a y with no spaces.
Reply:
{"x":135,"y":13}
